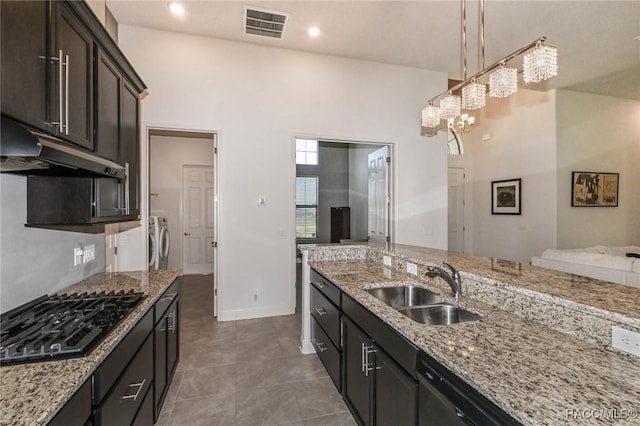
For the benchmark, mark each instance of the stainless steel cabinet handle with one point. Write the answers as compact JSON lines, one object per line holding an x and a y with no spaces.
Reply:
{"x":321,"y":346}
{"x":127,"y":206}
{"x":139,"y":386}
{"x":66,"y":97}
{"x":459,"y":413}
{"x":172,"y":322}
{"x":362,"y":350}
{"x":320,"y":284}
{"x":367,"y":365}
{"x":321,"y":311}
{"x":60,"y":122}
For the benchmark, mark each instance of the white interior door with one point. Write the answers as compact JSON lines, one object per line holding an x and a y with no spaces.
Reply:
{"x":197,"y":219}
{"x":456,"y":210}
{"x":379,"y":199}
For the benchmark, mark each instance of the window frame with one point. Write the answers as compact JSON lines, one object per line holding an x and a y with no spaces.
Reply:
{"x":309,"y":206}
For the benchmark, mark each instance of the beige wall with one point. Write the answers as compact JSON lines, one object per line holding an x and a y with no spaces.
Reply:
{"x":598,"y":134}
{"x":167,"y":156}
{"x":521,"y":144}
{"x":258,"y":99}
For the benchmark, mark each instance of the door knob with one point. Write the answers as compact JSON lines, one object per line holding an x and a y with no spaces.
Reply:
{"x":186,"y":233}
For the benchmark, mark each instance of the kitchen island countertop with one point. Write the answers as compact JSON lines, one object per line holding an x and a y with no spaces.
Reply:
{"x":31,"y":394}
{"x":537,"y":374}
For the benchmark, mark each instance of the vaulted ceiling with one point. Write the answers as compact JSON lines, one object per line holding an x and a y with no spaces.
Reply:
{"x":599,"y":49}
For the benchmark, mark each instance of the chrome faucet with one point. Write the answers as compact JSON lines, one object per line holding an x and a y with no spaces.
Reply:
{"x":453,"y":278}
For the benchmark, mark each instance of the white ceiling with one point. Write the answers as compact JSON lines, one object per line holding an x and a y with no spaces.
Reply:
{"x":595,"y":39}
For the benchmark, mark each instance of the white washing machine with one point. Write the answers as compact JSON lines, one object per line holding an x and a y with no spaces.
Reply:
{"x":164,"y":242}
{"x":154,"y":245}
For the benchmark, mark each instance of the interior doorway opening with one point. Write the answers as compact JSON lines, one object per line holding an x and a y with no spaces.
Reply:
{"x":343,"y":194}
{"x":183,"y":203}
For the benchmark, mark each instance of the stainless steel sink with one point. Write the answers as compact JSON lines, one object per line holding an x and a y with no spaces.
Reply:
{"x":441,"y":314}
{"x":405,"y":296}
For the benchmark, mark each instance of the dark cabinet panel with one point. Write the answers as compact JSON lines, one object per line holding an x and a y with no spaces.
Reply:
{"x":77,"y":410}
{"x":357,"y":388}
{"x":329,"y":355}
{"x":108,"y":84}
{"x":121,"y":405}
{"x":396,"y":400}
{"x":24,"y":61}
{"x":167,"y":350}
{"x":130,"y":145}
{"x":327,"y":315}
{"x":74,"y":44}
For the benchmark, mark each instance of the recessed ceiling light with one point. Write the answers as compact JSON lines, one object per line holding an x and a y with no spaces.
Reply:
{"x":314,"y":31}
{"x":176,"y":8}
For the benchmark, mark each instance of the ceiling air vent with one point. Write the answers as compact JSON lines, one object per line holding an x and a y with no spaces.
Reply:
{"x":263,"y":22}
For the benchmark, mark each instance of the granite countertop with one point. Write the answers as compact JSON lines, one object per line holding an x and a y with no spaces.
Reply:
{"x":535,"y":373}
{"x":31,"y":394}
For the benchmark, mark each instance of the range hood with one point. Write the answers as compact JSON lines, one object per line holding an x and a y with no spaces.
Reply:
{"x":26,"y":151}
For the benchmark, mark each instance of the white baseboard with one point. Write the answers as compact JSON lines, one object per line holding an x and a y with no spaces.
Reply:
{"x":306,"y":347}
{"x":242,"y":314}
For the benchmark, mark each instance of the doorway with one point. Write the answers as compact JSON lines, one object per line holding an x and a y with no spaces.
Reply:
{"x":456,"y":209}
{"x":332,"y":191}
{"x":182,"y":190}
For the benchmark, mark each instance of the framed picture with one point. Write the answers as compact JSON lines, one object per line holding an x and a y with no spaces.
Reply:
{"x":505,"y":196}
{"x":592,"y":189}
{"x":506,"y":266}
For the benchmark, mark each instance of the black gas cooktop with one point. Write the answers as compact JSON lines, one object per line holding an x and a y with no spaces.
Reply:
{"x":61,"y":326}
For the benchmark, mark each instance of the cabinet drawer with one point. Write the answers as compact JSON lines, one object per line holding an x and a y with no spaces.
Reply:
{"x":327,"y":352}
{"x":165,"y":300}
{"x":145,"y":414}
{"x":399,"y":348}
{"x":327,"y":288}
{"x":327,"y":315}
{"x":106,"y":375}
{"x":127,"y":394}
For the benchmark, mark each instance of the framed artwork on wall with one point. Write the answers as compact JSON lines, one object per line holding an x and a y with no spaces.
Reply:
{"x":594,"y":189}
{"x":505,"y":196}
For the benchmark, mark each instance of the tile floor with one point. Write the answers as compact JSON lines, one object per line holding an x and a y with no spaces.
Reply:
{"x":242,"y":373}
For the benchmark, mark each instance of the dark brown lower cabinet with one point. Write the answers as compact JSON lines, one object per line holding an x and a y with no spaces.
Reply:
{"x":166,"y":349}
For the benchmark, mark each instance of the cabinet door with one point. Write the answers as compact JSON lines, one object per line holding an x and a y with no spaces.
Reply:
{"x":108,"y":84}
{"x":160,"y":363}
{"x":130,"y":145}
{"x":356,"y":385}
{"x":396,"y":393}
{"x":24,"y":64}
{"x":74,"y":41}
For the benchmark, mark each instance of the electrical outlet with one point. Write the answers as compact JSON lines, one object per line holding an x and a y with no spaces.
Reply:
{"x":412,"y":268}
{"x":386,"y":260}
{"x":625,"y":340}
{"x":89,"y":253}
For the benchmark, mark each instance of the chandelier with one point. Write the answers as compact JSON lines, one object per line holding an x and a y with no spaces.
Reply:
{"x":540,"y":62}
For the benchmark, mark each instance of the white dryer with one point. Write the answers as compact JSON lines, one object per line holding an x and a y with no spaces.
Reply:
{"x":164,"y":242}
{"x":154,"y":245}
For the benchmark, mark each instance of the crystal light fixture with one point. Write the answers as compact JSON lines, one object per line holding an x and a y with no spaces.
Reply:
{"x":539,"y":64}
{"x":431,"y":116}
{"x":450,"y":106}
{"x":503,"y":82}
{"x":473,"y":95}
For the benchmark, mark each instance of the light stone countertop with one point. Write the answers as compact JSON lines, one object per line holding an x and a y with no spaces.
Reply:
{"x":31,"y":394}
{"x":533,"y":372}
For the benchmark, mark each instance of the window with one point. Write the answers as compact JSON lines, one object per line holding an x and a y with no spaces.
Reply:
{"x":306,"y":207}
{"x":454,"y":143}
{"x":307,"y":152}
